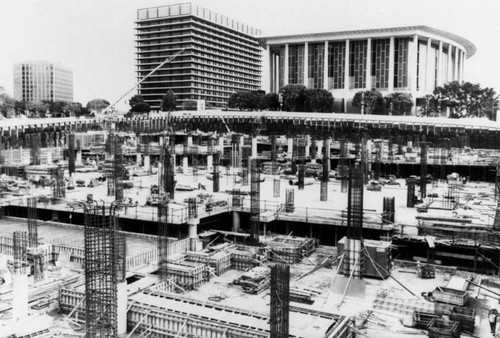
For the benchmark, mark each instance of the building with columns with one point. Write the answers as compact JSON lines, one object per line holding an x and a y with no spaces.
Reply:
{"x":413,"y":59}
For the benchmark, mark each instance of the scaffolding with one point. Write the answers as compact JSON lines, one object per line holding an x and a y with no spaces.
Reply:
{"x":163,"y":241}
{"x":71,"y":154}
{"x":423,"y":169}
{"x":280,"y":301}
{"x":103,"y":269}
{"x":254,"y":200}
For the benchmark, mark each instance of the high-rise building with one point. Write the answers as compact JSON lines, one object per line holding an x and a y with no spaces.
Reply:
{"x":221,"y":55}
{"x":42,"y":81}
{"x":413,"y":59}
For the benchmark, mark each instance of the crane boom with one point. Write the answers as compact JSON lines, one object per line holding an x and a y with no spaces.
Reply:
{"x":169,"y":59}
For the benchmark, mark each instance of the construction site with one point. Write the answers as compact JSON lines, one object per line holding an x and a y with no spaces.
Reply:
{"x":221,"y":224}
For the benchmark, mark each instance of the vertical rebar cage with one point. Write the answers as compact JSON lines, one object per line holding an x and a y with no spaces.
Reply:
{"x":163,"y":241}
{"x":19,"y":248}
{"x":102,"y":270}
{"x":280,"y":301}
{"x":254,"y":199}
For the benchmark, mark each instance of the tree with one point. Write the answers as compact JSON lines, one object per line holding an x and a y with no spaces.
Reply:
{"x":466,"y":100}
{"x":398,"y":103}
{"x":270,"y":101}
{"x":37,"y":108}
{"x":135,"y":100}
{"x":189,"y":105}
{"x":169,"y":103}
{"x":318,"y":100}
{"x":7,"y":104}
{"x":246,"y":100}
{"x":97,"y":105}
{"x":141,"y":107}
{"x":74,"y":109}
{"x":371,"y":101}
{"x":293,"y":97}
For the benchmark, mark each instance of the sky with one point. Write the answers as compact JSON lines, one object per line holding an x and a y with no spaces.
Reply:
{"x":96,"y":37}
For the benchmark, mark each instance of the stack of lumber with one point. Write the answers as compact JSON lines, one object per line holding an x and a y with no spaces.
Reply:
{"x":255,"y":281}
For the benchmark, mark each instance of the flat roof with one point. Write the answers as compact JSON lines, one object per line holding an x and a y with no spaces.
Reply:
{"x":470,"y":48}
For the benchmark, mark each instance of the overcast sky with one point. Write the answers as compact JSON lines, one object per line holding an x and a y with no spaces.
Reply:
{"x":96,"y":37}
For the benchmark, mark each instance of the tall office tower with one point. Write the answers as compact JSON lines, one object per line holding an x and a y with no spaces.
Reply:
{"x":42,"y":81}
{"x":221,"y":55}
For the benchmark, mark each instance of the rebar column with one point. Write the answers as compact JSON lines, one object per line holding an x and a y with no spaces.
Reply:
{"x":58,"y":185}
{"x":101,"y":267}
{"x":32,"y":222}
{"x":423,"y":169}
{"x":254,"y":200}
{"x":216,"y":172}
{"x":388,"y":210}
{"x":119,"y":169}
{"x":378,"y":157}
{"x":273,"y":154}
{"x":280,"y":301}
{"x":35,"y":148}
{"x":289,"y":200}
{"x":169,"y":171}
{"x":71,"y":154}
{"x":343,"y":167}
{"x":410,"y":194}
{"x":276,"y":187}
{"x":163,"y":240}
{"x":19,"y":251}
{"x":301,"y":157}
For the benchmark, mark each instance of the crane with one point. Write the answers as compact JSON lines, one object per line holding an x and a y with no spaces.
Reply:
{"x":169,"y":59}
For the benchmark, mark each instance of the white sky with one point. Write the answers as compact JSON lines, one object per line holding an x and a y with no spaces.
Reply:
{"x":96,"y":37}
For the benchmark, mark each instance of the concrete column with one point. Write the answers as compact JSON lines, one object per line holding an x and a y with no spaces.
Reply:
{"x":266,"y":71}
{"x":49,"y":158}
{"x":325,"y":67}
{"x":19,"y":297}
{"x":210,"y":162}
{"x":161,"y":140}
{"x":236,"y":221}
{"x":185,"y":164}
{"x":254,"y":147}
{"x":429,"y":70}
{"x":306,"y":64}
{"x":328,"y":144}
{"x":391,"y":64}
{"x":448,"y":69}
{"x":289,"y":151}
{"x":193,"y":227}
{"x":440,"y":64}
{"x":285,"y":78}
{"x":78,"y":158}
{"x":463,"y":67}
{"x":241,"y":140}
{"x":308,"y":145}
{"x":147,"y":162}
{"x":319,"y":149}
{"x":121,"y":308}
{"x":412,"y":70}
{"x":346,"y":75}
{"x":368,"y":66}
{"x":138,"y":158}
{"x":190,"y":141}
{"x":221,"y":144}
{"x":455,"y":74}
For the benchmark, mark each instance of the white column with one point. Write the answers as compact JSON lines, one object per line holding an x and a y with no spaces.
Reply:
{"x":448,"y":69}
{"x":254,"y":146}
{"x":440,"y":64}
{"x":346,"y":74}
{"x":19,"y":297}
{"x":306,"y":64}
{"x":221,"y":144}
{"x":285,"y":79}
{"x":289,"y":151}
{"x":49,"y":158}
{"x":463,"y":66}
{"x":266,"y":70}
{"x":236,"y":221}
{"x":210,"y":162}
{"x":190,"y":141}
{"x":412,"y":69}
{"x":391,"y":64}
{"x":185,"y":164}
{"x":78,"y":159}
{"x":193,"y":227}
{"x":455,"y":65}
{"x":272,"y":72}
{"x":121,"y":307}
{"x":308,"y":146}
{"x":429,"y":74}
{"x":147,"y":162}
{"x":368,"y":75}
{"x":325,"y":67}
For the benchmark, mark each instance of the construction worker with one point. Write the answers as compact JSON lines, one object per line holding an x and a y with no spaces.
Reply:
{"x":492,"y":318}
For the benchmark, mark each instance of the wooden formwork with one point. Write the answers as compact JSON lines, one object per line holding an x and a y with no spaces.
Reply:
{"x":188,"y":275}
{"x":72,"y":301}
{"x":220,"y":261}
{"x":290,"y":249}
{"x":450,"y":296}
{"x":242,"y":260}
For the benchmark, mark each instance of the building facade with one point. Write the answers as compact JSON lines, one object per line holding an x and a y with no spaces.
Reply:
{"x":42,"y":81}
{"x":221,"y":55}
{"x":406,"y":59}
